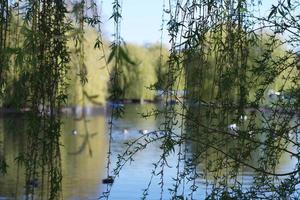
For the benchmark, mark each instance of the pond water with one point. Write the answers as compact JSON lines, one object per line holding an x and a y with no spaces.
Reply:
{"x":84,"y":158}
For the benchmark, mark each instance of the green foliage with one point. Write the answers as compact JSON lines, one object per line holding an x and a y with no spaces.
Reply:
{"x":38,"y":60}
{"x":217,"y":57}
{"x":143,"y":71}
{"x":135,"y":77}
{"x":3,"y":167}
{"x":267,"y":65}
{"x":95,"y":70}
{"x":143,"y":67}
{"x":229,"y":70}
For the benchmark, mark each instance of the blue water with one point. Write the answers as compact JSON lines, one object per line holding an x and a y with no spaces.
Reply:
{"x":84,"y":159}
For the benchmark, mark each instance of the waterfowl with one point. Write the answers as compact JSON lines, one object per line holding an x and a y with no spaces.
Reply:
{"x":115,"y":105}
{"x":233,"y":129}
{"x":243,"y":117}
{"x":74,"y":132}
{"x":33,"y":183}
{"x":125,"y":131}
{"x":108,"y":180}
{"x":143,"y":131}
{"x":251,"y":133}
{"x":160,"y":132}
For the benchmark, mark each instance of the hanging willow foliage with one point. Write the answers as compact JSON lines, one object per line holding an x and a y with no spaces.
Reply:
{"x":230,"y":118}
{"x":240,"y":108}
{"x":48,"y":57}
{"x":42,"y":57}
{"x":4,"y":19}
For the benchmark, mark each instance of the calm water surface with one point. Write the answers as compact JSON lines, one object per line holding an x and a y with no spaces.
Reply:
{"x":84,"y":158}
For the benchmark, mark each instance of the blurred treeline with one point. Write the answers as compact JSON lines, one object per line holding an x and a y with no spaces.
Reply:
{"x":148,"y":72}
{"x":138,"y":79}
{"x":212,"y":74}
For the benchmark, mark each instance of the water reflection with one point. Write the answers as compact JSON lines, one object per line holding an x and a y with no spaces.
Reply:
{"x":256,"y":143}
{"x":84,"y":156}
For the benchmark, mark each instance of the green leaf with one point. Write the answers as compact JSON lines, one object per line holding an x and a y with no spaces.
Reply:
{"x":98,"y":44}
{"x":273,"y":11}
{"x":289,"y":3}
{"x":124,"y":55}
{"x":3,"y":167}
{"x":90,"y":96}
{"x":112,"y":54}
{"x":282,"y":13}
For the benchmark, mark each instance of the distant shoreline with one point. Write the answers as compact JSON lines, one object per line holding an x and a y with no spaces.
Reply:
{"x":98,"y":109}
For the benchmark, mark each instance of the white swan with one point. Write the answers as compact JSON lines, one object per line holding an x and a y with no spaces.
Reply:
{"x":143,"y":131}
{"x":233,"y":128}
{"x":74,"y":132}
{"x":243,"y":117}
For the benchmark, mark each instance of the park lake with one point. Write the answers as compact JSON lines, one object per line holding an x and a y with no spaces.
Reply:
{"x":84,"y":158}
